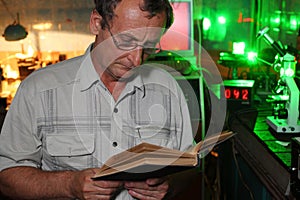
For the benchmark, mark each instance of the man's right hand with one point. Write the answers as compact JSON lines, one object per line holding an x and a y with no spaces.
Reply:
{"x":33,"y":183}
{"x":83,"y":187}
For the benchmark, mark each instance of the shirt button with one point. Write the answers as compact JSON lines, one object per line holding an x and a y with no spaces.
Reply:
{"x":115,"y":144}
{"x":116,"y":110}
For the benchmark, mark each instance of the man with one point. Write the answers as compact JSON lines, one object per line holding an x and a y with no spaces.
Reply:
{"x":66,"y":120}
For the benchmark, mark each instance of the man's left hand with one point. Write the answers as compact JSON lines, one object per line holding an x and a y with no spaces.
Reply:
{"x":152,"y":189}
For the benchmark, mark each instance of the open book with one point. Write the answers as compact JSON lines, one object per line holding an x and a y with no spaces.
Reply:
{"x":151,"y":161}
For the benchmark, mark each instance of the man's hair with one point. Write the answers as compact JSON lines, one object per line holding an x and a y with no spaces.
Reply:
{"x":106,"y":9}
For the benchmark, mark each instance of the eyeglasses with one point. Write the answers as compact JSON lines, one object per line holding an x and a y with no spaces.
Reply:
{"x":131,"y":45}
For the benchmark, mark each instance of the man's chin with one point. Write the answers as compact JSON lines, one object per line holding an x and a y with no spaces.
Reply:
{"x":128,"y":76}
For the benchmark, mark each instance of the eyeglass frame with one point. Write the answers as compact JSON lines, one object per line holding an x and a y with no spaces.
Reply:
{"x":154,"y":50}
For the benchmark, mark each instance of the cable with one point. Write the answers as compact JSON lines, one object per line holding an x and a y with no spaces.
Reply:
{"x":201,"y":99}
{"x":240,"y":173}
{"x":6,"y":7}
{"x":229,"y":72}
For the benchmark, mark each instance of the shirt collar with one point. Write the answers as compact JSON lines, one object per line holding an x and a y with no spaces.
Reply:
{"x":87,"y":74}
{"x":137,"y":81}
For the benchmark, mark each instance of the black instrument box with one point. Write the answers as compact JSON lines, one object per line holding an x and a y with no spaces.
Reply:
{"x":295,"y":167}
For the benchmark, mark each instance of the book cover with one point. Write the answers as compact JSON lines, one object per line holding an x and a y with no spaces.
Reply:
{"x":151,"y":161}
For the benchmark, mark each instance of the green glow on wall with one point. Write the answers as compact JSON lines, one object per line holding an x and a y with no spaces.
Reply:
{"x":251,"y":56}
{"x":293,"y":22}
{"x":206,"y":24}
{"x":222,"y":20}
{"x":238,"y":48}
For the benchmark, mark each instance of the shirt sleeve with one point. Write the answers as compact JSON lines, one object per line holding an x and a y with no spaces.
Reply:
{"x":19,"y":143}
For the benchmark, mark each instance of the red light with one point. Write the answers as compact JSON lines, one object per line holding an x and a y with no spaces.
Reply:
{"x":245,"y":94}
{"x":227,"y":93}
{"x":236,"y":93}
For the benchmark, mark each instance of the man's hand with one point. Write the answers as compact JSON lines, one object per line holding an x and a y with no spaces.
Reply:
{"x":83,"y":187}
{"x":151,"y":189}
{"x":32,"y":183}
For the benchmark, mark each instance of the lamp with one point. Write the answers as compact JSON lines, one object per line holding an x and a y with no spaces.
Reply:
{"x":15,"y":31}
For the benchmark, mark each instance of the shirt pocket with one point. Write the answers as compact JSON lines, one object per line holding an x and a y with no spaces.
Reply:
{"x":69,"y":151}
{"x":155,"y":135}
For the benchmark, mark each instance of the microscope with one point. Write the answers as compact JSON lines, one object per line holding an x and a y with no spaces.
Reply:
{"x":285,"y":118}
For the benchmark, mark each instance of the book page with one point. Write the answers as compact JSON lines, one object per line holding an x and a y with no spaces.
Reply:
{"x":151,"y":164}
{"x":210,"y":142}
{"x":144,"y":150}
{"x":148,"y":156}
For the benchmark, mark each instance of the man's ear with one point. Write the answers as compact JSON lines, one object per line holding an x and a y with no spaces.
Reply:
{"x":95,"y":22}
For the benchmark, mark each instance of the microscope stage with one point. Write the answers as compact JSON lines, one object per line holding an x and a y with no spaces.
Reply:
{"x":282,"y":126}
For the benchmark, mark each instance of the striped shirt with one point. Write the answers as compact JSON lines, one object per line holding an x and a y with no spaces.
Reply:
{"x":64,"y":118}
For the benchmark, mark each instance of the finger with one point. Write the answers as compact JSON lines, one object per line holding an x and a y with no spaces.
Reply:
{"x":137,"y":195}
{"x":155,"y":181}
{"x":97,"y":196}
{"x":136,"y":184}
{"x":107,"y":191}
{"x":146,"y":194}
{"x":108,"y":184}
{"x":159,"y":188}
{"x":150,"y":184}
{"x":95,"y":190}
{"x":149,"y":192}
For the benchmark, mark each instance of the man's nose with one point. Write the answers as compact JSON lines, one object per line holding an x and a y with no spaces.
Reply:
{"x":136,"y":56}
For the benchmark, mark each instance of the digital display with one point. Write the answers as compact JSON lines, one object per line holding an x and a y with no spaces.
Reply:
{"x":239,"y":91}
{"x":236,"y":93}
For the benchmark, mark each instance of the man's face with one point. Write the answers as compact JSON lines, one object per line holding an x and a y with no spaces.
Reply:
{"x":131,"y":31}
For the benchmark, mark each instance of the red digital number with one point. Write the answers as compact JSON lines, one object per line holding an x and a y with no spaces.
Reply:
{"x":236,"y":93}
{"x":245,"y":94}
{"x":227,"y":93}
